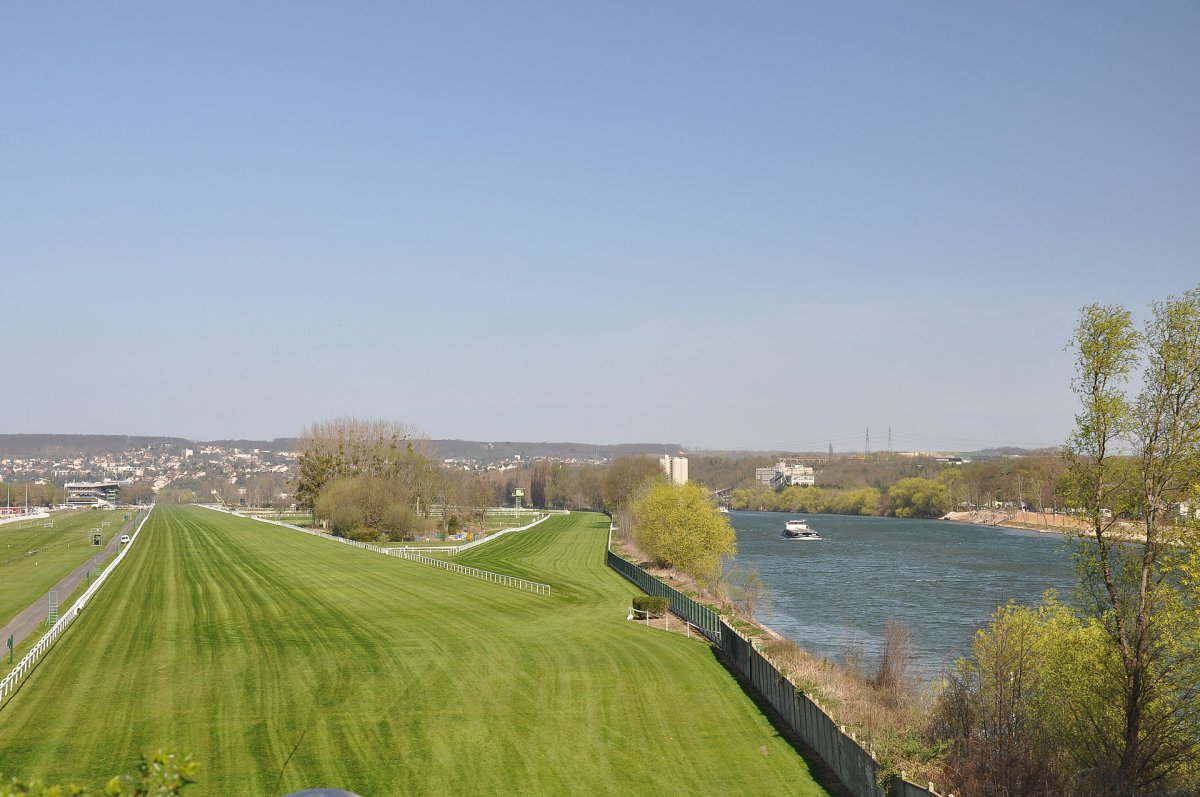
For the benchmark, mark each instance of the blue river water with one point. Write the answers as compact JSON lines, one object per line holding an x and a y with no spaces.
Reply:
{"x":943,"y":580}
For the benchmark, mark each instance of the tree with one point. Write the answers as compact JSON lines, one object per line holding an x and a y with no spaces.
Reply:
{"x":625,"y":478}
{"x":952,"y":479}
{"x":137,"y":493}
{"x":855,"y":502}
{"x":1011,"y":712}
{"x":369,"y":506}
{"x":677,"y":526}
{"x":1139,"y":457}
{"x":349,"y":446}
{"x":917,"y":497}
{"x":747,"y":591}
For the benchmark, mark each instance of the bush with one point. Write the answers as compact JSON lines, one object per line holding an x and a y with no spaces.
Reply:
{"x":651,"y":605}
{"x":364,"y":534}
{"x":1028,"y":711}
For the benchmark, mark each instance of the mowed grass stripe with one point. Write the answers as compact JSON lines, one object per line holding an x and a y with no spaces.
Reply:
{"x":232,"y":639}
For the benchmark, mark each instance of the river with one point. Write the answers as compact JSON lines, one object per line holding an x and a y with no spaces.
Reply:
{"x":942,"y":579}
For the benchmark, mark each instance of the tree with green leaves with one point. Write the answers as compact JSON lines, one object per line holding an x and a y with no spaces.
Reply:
{"x":1010,"y":712}
{"x":917,"y":497}
{"x":678,"y":526}
{"x":1138,"y":457}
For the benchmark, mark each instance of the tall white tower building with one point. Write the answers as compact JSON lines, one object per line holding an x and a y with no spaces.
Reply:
{"x":676,"y":468}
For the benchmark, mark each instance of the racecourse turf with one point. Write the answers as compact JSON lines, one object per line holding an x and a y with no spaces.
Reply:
{"x":25,"y":579}
{"x":244,"y":643}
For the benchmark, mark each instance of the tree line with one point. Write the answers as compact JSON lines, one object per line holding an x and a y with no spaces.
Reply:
{"x":893,"y":485}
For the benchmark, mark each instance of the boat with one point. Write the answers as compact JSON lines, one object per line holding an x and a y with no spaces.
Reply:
{"x":798,"y":530}
{"x":724,"y":510}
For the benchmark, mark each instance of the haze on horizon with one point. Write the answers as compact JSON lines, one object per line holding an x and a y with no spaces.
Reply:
{"x":726,"y":227}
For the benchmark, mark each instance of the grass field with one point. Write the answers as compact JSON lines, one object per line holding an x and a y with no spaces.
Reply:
{"x":239,"y":641}
{"x":28,"y":579}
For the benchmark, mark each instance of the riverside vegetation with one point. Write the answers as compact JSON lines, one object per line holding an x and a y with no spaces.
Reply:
{"x":1099,"y":697}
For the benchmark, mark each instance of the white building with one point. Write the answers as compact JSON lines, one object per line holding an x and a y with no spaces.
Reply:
{"x":676,"y":468}
{"x":787,"y":473}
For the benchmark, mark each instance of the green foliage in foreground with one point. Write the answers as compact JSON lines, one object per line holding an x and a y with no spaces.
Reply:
{"x":1014,"y":710}
{"x":677,"y":526}
{"x":246,"y":643}
{"x":159,"y":775}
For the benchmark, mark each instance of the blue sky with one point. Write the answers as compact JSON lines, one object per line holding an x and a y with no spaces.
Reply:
{"x":721,"y":225}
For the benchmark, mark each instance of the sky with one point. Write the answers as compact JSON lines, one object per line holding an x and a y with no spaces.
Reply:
{"x":721,"y":225}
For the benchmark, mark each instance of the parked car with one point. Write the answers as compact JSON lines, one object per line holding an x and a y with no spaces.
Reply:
{"x":124,"y":538}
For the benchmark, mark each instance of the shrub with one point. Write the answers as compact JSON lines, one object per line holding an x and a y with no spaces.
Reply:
{"x":1028,"y":711}
{"x":651,"y":605}
{"x":364,"y":534}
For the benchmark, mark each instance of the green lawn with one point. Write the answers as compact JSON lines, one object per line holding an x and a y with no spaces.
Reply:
{"x":26,"y":580}
{"x":239,"y":641}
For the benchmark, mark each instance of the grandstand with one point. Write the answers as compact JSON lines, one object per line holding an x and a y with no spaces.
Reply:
{"x":92,"y":493}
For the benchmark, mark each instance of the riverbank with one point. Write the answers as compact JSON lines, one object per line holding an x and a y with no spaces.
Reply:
{"x":1033,"y":521}
{"x":1045,"y":522}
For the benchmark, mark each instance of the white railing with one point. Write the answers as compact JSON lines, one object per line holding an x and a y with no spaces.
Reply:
{"x":413,"y":555}
{"x":30,"y":516}
{"x":500,"y":533}
{"x":410,"y":554}
{"x":25,"y":666}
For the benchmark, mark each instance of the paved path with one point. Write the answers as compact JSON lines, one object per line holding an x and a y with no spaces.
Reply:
{"x":35,"y":615}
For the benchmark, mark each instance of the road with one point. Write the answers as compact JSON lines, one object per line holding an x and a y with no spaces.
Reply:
{"x":32,"y":618}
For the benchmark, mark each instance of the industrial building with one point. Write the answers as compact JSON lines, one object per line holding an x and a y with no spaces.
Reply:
{"x":676,"y":468}
{"x":786,"y":473}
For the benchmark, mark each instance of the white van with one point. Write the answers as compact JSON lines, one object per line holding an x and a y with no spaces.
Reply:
{"x":124,"y":538}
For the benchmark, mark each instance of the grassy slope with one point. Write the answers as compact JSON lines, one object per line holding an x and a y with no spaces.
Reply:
{"x":232,"y":638}
{"x":26,"y":580}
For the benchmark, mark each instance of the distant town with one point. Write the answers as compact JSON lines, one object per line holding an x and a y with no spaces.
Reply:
{"x":90,"y":468}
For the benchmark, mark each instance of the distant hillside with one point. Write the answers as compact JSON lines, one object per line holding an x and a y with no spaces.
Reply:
{"x":60,"y":446}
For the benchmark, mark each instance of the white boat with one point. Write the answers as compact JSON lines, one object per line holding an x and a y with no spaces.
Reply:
{"x":724,"y":510}
{"x":798,"y":530}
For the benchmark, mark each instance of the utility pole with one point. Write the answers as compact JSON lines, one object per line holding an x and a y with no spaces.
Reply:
{"x":867,"y":443}
{"x":889,"y":439}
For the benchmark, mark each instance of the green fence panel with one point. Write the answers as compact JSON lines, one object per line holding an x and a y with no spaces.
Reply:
{"x":853,"y":765}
